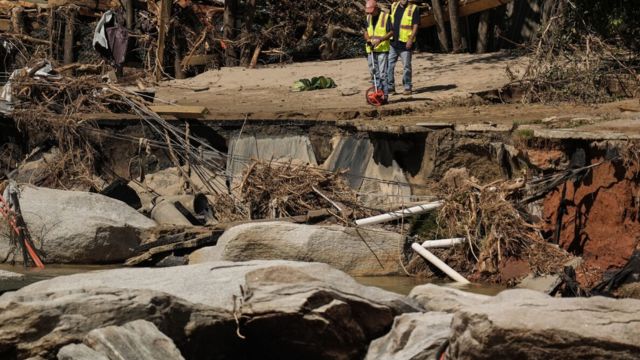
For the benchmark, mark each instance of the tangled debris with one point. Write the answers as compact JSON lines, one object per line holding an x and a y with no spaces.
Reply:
{"x":274,"y":190}
{"x":496,"y":230}
{"x":570,"y":62}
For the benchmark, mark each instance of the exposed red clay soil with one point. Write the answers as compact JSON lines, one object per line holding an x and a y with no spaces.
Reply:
{"x":546,"y":159}
{"x":601,"y":222}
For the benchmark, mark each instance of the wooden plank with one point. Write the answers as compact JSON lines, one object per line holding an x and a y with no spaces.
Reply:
{"x":100,"y":5}
{"x":469,"y":8}
{"x":180,"y":111}
{"x":8,"y":4}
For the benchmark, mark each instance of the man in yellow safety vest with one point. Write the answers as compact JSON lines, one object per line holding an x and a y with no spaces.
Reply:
{"x":377,"y":35}
{"x":405,"y":19}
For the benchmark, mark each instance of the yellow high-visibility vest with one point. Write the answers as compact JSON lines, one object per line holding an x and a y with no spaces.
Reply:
{"x":406,"y":26}
{"x":379,"y":32}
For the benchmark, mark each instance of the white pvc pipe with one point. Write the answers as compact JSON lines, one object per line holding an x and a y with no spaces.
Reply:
{"x":444,"y":243}
{"x":415,"y":210}
{"x":439,"y":263}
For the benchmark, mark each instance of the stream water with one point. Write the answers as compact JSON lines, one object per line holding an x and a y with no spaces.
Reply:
{"x":404,"y":284}
{"x":397,"y":284}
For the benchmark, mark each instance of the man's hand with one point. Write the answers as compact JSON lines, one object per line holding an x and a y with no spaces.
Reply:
{"x":375,"y":42}
{"x":409,"y":44}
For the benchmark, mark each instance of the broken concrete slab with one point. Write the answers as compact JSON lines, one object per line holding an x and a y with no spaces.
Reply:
{"x":592,"y":135}
{"x":484,"y":127}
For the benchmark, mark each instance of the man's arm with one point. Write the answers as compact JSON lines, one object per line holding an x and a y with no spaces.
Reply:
{"x":414,"y":30}
{"x":389,"y":29}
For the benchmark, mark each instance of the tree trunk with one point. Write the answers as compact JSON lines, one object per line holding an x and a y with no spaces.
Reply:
{"x":17,"y":20}
{"x":177,"y":58}
{"x":483,"y":32}
{"x":131,"y":14}
{"x":165,"y":14}
{"x":250,"y":9}
{"x":53,"y":48}
{"x":455,"y":25}
{"x":69,"y":29}
{"x":228,"y":35}
{"x":442,"y":30}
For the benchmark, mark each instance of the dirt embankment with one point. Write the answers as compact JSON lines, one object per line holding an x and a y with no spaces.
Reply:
{"x":599,"y":218}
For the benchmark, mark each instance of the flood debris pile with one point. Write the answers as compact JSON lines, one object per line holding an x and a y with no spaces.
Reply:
{"x":276,"y":190}
{"x":498,"y":234}
{"x":572,"y":61}
{"x":501,"y":244}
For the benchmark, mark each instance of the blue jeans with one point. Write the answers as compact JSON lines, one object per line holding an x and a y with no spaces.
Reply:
{"x":378,"y":64}
{"x":405,"y":56}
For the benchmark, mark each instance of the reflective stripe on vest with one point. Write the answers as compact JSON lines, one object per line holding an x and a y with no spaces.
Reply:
{"x":378,"y":33}
{"x":406,"y":24}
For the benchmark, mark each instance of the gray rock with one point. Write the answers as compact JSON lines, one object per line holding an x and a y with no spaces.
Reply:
{"x":445,"y":299}
{"x":137,"y":340}
{"x":525,"y":324}
{"x":544,"y":283}
{"x":285,"y":309}
{"x":78,"y":227}
{"x":79,"y":352}
{"x":359,"y":252}
{"x":415,"y":336}
{"x":35,"y":323}
{"x":10,"y":276}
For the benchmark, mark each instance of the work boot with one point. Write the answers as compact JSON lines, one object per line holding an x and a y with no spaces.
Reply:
{"x":407,"y":92}
{"x":394,"y":92}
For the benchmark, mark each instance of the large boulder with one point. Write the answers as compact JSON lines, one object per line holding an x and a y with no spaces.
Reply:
{"x":525,"y":324}
{"x":415,"y":336}
{"x":137,"y":340}
{"x":446,"y":299}
{"x":283,"y":309}
{"x":78,"y":227}
{"x":79,"y":352}
{"x":39,"y":324}
{"x":357,"y":251}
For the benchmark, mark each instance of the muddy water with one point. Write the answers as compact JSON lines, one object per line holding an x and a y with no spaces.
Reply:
{"x":404,"y":284}
{"x":397,"y":284}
